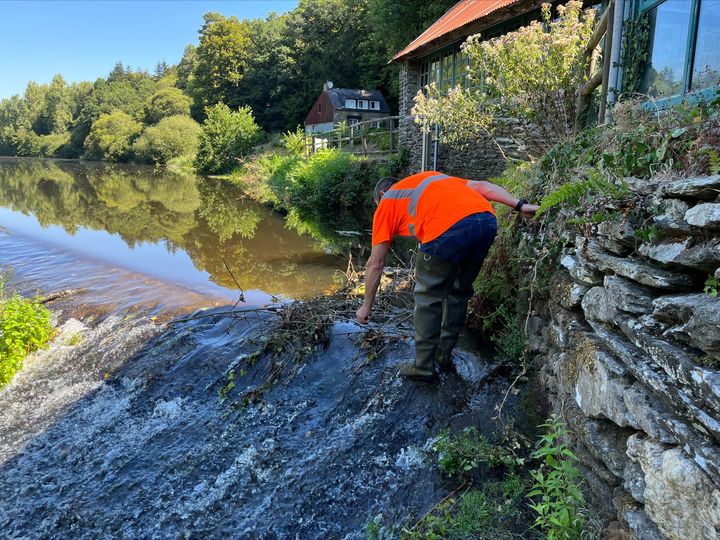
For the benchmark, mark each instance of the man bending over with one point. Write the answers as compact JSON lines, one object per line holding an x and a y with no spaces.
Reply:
{"x":455,"y":224}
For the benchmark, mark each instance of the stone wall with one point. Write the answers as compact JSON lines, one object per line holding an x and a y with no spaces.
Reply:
{"x":475,"y":159}
{"x":630,"y":352}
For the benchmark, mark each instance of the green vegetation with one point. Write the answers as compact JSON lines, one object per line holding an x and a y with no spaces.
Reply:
{"x":504,"y":507}
{"x":24,"y":327}
{"x":476,"y":514}
{"x":172,"y":137}
{"x":467,"y":451}
{"x":560,"y":502}
{"x":712,"y":285}
{"x":526,"y":74}
{"x":226,"y":137}
{"x":273,"y":66}
{"x":584,"y":175}
{"x":167,"y":102}
{"x":327,"y":192}
{"x":111,"y":137}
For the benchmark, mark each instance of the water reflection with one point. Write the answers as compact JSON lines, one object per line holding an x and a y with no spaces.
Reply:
{"x":162,"y":218}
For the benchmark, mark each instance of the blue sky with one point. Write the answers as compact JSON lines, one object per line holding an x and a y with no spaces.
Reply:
{"x":82,"y":40}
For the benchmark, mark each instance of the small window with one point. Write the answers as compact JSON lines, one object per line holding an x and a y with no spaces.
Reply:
{"x":353,"y":121}
{"x":320,"y":107}
{"x":350,"y":103}
{"x":362,"y":104}
{"x":375,"y":105}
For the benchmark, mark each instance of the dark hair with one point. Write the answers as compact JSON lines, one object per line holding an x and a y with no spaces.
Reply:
{"x":383,"y":185}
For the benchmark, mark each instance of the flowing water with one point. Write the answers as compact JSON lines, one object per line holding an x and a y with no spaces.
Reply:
{"x":126,"y":428}
{"x":161,"y":238}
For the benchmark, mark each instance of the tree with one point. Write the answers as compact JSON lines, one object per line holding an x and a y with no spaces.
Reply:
{"x":111,"y":137}
{"x":226,"y":137}
{"x":392,"y":26}
{"x":167,"y":102}
{"x":220,"y":61}
{"x":268,"y":79}
{"x":56,"y":114}
{"x":172,"y":137}
{"x":161,"y":68}
{"x":324,"y":38}
{"x":185,"y":67}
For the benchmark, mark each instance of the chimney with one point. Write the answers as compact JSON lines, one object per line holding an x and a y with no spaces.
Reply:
{"x":327,"y":86}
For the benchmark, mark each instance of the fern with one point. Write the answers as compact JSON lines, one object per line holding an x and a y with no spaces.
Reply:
{"x":714,"y":161}
{"x":572,"y":193}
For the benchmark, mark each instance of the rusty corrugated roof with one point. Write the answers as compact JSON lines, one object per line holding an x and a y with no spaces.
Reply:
{"x":462,"y":13}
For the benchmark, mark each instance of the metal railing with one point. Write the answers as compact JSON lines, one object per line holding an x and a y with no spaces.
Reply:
{"x":378,"y":136}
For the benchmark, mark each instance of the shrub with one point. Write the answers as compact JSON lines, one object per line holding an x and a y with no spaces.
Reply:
{"x":333,"y":186}
{"x":226,"y":137}
{"x":50,"y":145}
{"x":557,"y":486}
{"x":172,"y":137}
{"x":167,"y":102}
{"x":111,"y":137}
{"x":294,"y":142}
{"x":532,"y":73}
{"x":24,"y":327}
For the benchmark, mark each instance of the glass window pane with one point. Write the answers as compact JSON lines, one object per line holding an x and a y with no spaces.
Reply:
{"x":669,"y":25}
{"x":446,"y":72}
{"x":706,"y":67}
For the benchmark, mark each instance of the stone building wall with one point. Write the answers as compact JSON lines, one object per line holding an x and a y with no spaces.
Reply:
{"x":630,"y":352}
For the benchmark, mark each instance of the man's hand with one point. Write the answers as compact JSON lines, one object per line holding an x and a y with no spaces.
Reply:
{"x":527,"y":211}
{"x":363,"y":314}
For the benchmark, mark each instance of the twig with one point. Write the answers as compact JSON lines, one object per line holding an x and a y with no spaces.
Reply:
{"x":242,"y":292}
{"x":275,"y":310}
{"x":59,"y":294}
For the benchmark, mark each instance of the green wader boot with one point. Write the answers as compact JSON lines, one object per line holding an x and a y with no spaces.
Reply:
{"x":455,"y":311}
{"x":433,"y":279}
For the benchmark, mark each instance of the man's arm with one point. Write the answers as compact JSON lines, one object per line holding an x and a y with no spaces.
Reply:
{"x":373,"y":272}
{"x":493,"y":192}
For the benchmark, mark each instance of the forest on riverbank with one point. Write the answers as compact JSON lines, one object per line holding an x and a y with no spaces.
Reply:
{"x":245,"y":76}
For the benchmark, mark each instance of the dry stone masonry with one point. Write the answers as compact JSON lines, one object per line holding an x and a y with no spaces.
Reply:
{"x":630,"y":353}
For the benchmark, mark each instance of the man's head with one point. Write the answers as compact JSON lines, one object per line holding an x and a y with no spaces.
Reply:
{"x":382,"y":186}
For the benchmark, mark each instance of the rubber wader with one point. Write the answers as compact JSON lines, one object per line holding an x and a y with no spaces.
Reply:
{"x":442,"y":292}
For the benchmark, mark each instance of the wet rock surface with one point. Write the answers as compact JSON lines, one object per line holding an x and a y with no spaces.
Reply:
{"x":148,"y":449}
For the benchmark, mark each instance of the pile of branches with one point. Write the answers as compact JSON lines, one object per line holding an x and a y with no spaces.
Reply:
{"x":300,"y":328}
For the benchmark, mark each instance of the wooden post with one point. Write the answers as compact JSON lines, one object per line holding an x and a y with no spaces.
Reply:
{"x":363,"y":138}
{"x":352,"y":138}
{"x":392,"y":135}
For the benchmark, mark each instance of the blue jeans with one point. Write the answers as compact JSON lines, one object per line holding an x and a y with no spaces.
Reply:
{"x":469,"y":240}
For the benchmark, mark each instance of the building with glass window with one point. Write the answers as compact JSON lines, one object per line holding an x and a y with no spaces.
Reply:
{"x":673,"y":46}
{"x":682,"y":48}
{"x":347,"y":105}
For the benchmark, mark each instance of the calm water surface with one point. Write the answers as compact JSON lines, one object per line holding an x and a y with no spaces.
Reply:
{"x":146,"y":232}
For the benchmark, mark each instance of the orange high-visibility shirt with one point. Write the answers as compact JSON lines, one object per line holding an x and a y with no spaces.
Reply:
{"x":425,"y":205}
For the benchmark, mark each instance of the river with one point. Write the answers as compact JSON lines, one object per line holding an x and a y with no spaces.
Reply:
{"x":130,"y":427}
{"x":134,"y":235}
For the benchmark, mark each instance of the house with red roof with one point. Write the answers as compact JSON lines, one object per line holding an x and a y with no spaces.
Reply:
{"x":681,"y":61}
{"x":436,"y":56}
